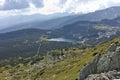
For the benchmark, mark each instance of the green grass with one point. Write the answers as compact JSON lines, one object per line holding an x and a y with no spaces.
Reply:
{"x":68,"y":69}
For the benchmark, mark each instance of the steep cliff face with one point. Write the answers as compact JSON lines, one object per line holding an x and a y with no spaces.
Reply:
{"x":105,"y":63}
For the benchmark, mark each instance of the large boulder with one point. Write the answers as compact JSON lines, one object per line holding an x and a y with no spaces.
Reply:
{"x":108,"y":62}
{"x":90,"y":68}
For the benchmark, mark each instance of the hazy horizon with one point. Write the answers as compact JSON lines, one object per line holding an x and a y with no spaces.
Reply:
{"x":20,"y":11}
{"x":46,"y":7}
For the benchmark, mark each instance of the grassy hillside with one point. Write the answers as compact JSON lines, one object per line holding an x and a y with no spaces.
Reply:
{"x":63,"y":64}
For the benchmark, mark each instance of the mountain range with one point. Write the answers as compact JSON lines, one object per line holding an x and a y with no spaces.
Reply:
{"x":60,"y":47}
{"x":88,"y":33}
{"x":56,"y":22}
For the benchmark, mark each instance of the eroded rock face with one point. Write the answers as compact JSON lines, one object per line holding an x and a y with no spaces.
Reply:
{"x":108,"y":62}
{"x":111,"y":75}
{"x":90,"y":68}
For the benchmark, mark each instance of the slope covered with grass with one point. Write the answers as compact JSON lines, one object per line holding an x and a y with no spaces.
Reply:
{"x":62,"y":64}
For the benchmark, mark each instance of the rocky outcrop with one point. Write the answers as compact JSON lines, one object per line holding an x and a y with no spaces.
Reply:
{"x":108,"y":62}
{"x":111,"y":75}
{"x":90,"y":68}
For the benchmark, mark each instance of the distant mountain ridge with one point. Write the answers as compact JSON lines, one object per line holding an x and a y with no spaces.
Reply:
{"x":88,"y":33}
{"x":78,"y":30}
{"x":108,"y":13}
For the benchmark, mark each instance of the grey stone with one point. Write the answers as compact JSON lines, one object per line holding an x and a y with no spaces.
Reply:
{"x":108,"y":62}
{"x":90,"y":68}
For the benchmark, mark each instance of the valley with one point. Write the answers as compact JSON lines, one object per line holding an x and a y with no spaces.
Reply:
{"x":61,"y":46}
{"x":79,"y":34}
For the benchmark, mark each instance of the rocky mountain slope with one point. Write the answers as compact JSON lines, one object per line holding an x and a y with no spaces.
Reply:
{"x":105,"y":63}
{"x":63,"y":64}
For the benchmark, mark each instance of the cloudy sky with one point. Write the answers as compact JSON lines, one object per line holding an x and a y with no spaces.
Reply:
{"x":46,"y":7}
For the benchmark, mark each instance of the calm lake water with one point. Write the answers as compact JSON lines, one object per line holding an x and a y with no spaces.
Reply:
{"x":61,"y":40}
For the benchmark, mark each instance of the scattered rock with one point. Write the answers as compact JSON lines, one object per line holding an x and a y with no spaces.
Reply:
{"x":111,"y":75}
{"x":108,"y":62}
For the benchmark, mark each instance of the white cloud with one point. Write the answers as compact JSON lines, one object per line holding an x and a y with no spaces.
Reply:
{"x":2,"y":2}
{"x":55,"y":6}
{"x":93,"y":5}
{"x":89,"y":6}
{"x":50,"y":7}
